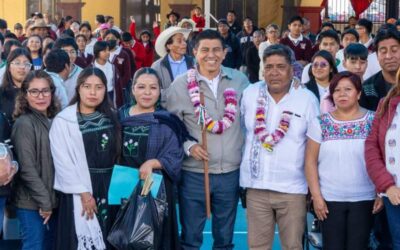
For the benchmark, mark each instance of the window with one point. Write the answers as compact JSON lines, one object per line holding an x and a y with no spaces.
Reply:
{"x":43,"y":6}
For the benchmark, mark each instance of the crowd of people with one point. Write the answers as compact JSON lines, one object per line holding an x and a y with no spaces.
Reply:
{"x":286,"y":113}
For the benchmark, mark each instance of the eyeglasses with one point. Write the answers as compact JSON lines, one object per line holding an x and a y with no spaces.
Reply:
{"x":46,"y":92}
{"x":70,"y":52}
{"x":22,"y":65}
{"x":321,"y":65}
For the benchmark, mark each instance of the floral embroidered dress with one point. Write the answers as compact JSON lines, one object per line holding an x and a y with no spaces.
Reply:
{"x":98,"y":134}
{"x":341,"y":165}
{"x":134,"y":141}
{"x":99,"y":140}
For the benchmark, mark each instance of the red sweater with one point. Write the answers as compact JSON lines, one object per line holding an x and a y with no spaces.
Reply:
{"x":148,"y":51}
{"x":375,"y":148}
{"x":139,"y":54}
{"x":200,"y":21}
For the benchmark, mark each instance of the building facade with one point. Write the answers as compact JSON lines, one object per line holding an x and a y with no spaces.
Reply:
{"x":263,"y":12}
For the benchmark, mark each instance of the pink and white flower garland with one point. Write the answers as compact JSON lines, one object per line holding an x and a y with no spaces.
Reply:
{"x":268,"y":141}
{"x":219,"y":126}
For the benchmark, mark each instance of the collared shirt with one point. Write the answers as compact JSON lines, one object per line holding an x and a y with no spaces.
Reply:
{"x":177,"y":67}
{"x":283,"y":169}
{"x":90,"y":45}
{"x":295,"y":41}
{"x":71,"y":81}
{"x":61,"y":92}
{"x":109,"y":72}
{"x":368,"y":43}
{"x":213,"y":84}
{"x":115,"y":53}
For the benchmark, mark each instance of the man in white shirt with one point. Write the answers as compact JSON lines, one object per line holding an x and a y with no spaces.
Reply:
{"x":276,"y":117}
{"x":222,"y":88}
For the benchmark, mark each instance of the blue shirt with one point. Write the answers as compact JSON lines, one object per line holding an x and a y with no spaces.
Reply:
{"x":177,"y":67}
{"x":37,"y":63}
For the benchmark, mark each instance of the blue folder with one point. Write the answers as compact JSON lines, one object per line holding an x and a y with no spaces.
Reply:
{"x":124,"y":180}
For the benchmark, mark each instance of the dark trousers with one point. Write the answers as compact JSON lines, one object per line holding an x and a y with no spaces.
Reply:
{"x":348,"y":225}
{"x":224,"y":190}
{"x":393,"y":216}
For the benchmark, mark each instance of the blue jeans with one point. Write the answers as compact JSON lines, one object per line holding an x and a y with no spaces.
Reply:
{"x":393,"y":215}
{"x":224,"y":190}
{"x":35,"y":235}
{"x":2,"y":207}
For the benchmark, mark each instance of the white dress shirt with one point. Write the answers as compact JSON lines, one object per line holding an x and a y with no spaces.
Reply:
{"x":283,"y":169}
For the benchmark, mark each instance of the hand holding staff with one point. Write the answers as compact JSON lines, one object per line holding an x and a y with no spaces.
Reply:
{"x":206,"y":177}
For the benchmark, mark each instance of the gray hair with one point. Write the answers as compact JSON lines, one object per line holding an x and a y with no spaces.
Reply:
{"x":280,"y":50}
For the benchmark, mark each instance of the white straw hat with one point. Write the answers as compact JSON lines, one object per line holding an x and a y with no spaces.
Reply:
{"x":165,"y":35}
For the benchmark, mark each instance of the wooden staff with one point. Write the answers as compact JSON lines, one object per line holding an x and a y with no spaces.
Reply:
{"x":205,"y":162}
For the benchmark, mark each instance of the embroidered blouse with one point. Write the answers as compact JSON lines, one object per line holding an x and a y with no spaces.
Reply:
{"x":134,"y":142}
{"x":341,"y":166}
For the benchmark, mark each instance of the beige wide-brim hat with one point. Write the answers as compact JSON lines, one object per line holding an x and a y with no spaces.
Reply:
{"x":165,"y":35}
{"x":39,"y":23}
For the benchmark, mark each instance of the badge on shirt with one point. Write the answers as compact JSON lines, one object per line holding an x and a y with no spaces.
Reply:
{"x":120,"y":60}
{"x":302,"y":45}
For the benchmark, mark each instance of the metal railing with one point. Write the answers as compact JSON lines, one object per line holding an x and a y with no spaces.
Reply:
{"x":340,"y":11}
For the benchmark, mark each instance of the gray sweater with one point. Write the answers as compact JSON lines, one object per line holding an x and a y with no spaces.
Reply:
{"x":225,"y":150}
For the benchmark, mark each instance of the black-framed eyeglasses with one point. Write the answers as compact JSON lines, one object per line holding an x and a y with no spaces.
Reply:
{"x":46,"y":92}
